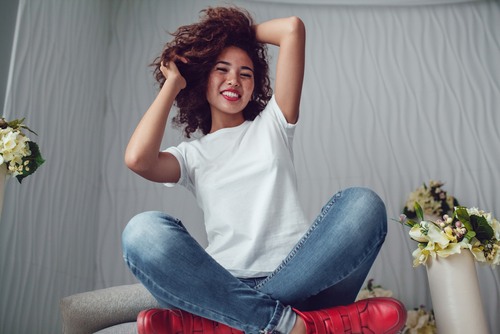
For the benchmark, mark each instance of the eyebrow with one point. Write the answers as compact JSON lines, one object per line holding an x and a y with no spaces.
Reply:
{"x":229,"y":64}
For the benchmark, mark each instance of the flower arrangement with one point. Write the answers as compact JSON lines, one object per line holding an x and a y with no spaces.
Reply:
{"x":433,"y":199}
{"x":419,"y":320}
{"x":371,"y":291}
{"x":21,"y":156}
{"x":467,"y":228}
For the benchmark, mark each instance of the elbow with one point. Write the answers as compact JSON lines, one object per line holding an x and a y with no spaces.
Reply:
{"x":131,"y":161}
{"x":297,"y":26}
{"x":134,"y":162}
{"x":295,"y":33}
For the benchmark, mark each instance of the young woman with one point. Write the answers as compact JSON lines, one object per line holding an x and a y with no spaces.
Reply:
{"x":266,"y":269}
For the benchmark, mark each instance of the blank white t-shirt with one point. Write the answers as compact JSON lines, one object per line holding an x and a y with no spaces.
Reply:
{"x":244,"y":180}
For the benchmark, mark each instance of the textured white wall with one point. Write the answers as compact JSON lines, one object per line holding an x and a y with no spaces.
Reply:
{"x":393,"y":96}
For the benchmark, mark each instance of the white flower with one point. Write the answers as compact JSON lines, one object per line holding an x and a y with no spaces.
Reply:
{"x":425,"y":197}
{"x":473,"y":211}
{"x":438,"y":244}
{"x":452,"y":248}
{"x":495,"y":225}
{"x":494,"y":257}
{"x":9,"y":140}
{"x":415,"y":321}
{"x":375,"y":292}
{"x":419,"y":322}
{"x":435,"y":234}
{"x":364,"y":294}
{"x":379,"y":292}
{"x":416,"y":234}
{"x":13,"y":148}
{"x":422,"y":253}
{"x":474,"y":246}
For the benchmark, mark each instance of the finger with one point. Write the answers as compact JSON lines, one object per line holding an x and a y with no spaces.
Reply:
{"x":164,"y":69}
{"x":183,"y":59}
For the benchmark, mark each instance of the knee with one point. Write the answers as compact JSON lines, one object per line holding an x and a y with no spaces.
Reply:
{"x":142,"y":230}
{"x":371,"y":201}
{"x":369,"y":205}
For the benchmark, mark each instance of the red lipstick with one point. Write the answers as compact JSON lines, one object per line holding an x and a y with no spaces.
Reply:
{"x":233,"y":95}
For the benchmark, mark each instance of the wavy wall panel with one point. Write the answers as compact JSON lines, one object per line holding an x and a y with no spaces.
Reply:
{"x":393,"y":96}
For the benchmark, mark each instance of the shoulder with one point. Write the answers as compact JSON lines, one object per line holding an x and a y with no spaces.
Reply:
{"x":274,"y":110}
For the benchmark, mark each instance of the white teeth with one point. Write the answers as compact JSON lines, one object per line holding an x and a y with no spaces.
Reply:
{"x":230,"y":94}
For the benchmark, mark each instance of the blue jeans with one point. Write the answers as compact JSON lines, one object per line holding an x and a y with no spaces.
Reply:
{"x":326,"y":268}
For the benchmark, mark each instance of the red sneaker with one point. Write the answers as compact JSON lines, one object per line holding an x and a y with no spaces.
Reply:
{"x":161,"y":321}
{"x":373,"y":315}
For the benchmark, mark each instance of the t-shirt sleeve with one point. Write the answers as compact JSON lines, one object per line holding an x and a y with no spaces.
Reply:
{"x":277,"y":114}
{"x":179,"y":153}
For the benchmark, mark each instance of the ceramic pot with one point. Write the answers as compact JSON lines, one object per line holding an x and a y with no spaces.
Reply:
{"x":456,"y":297}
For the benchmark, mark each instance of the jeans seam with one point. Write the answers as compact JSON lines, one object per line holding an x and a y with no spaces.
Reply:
{"x":301,"y":242}
{"x":278,"y":312}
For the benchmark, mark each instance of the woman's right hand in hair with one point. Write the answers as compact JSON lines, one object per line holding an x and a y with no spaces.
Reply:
{"x":171,"y":72}
{"x":143,"y":155}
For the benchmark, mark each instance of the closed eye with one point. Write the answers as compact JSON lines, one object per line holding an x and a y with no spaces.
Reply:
{"x":221,"y":69}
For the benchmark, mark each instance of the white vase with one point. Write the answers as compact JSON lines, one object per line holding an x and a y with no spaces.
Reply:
{"x":456,"y":297}
{"x":3,"y":178}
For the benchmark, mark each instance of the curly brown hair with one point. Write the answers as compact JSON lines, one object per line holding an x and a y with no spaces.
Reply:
{"x":201,"y":43}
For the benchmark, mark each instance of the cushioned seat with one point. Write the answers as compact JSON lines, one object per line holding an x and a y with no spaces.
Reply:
{"x":112,"y":310}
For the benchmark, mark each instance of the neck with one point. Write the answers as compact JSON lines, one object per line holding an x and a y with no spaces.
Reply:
{"x":221,"y":121}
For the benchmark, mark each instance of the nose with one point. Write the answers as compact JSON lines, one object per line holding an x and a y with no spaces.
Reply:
{"x":233,"y":79}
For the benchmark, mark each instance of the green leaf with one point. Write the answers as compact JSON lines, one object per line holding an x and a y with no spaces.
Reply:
{"x":419,"y":211}
{"x":462,"y":215}
{"x":412,"y":223}
{"x":16,"y":124}
{"x":25,"y":127}
{"x":481,"y":227}
{"x":462,"y":210}
{"x":469,"y":235}
{"x":35,"y":160}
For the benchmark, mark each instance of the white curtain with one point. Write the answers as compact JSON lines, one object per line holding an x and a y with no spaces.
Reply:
{"x":393,"y":96}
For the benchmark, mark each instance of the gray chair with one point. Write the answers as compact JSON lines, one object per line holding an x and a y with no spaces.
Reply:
{"x":106,"y":311}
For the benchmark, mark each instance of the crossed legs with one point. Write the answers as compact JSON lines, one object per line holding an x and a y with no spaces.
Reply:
{"x":326,"y":268}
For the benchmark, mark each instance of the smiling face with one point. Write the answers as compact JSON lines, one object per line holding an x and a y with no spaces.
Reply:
{"x":230,"y":86}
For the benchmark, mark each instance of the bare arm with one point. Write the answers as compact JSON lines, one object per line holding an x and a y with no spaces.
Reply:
{"x":143,"y":154}
{"x":290,"y":35}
